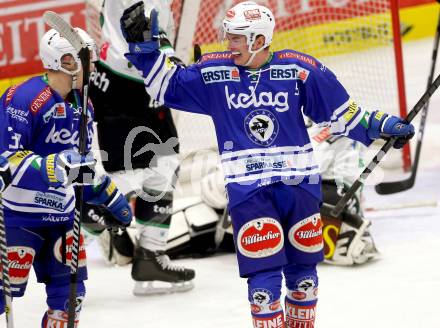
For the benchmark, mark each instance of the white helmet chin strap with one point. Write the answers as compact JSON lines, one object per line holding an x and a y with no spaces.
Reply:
{"x":73,"y":74}
{"x":253,"y":52}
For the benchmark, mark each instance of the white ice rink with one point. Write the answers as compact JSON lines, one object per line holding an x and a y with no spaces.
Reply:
{"x":399,"y":291}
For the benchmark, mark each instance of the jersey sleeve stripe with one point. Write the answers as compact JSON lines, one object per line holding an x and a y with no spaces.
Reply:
{"x":157,"y":67}
{"x":265,"y":175}
{"x":265,"y":151}
{"x":165,"y":84}
{"x":339,"y":111}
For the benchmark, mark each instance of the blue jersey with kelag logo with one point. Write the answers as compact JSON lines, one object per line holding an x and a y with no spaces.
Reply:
{"x":36,"y":121}
{"x":261,"y":134}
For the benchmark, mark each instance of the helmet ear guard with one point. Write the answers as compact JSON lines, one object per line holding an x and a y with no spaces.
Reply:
{"x":251,"y":20}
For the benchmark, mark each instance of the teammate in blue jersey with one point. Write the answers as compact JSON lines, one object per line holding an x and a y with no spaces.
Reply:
{"x":255,"y":97}
{"x":40,"y":122}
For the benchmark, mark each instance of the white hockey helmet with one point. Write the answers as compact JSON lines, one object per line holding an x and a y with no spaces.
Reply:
{"x":53,"y":47}
{"x":251,"y":20}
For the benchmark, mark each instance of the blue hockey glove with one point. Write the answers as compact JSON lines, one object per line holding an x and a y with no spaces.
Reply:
{"x":141,"y":33}
{"x":67,"y":168}
{"x":108,"y":195}
{"x":382,"y":125}
{"x":5,"y":173}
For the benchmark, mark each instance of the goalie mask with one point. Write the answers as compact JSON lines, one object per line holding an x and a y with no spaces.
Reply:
{"x":53,"y":47}
{"x":251,"y":20}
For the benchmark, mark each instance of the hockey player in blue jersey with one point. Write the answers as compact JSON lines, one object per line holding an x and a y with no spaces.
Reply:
{"x":255,"y":97}
{"x":40,"y":120}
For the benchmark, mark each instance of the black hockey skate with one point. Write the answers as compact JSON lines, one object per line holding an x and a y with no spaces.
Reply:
{"x":154,"y":274}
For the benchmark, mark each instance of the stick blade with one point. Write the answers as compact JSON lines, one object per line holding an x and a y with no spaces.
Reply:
{"x":393,"y":187}
{"x":68,"y":32}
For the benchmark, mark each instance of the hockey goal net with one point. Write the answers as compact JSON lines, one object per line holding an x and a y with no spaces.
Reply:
{"x":359,"y":40}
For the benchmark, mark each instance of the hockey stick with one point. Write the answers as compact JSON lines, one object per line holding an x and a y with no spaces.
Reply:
{"x":7,"y":296}
{"x":392,"y":187}
{"x":221,"y":227}
{"x":385,"y":148}
{"x":58,"y":23}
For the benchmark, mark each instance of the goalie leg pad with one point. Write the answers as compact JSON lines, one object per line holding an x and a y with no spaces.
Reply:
{"x":117,"y":248}
{"x":213,"y":190}
{"x":347,"y":239}
{"x":192,"y":231}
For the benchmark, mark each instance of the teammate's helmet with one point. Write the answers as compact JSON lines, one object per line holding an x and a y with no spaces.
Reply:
{"x":250,"y":19}
{"x":53,"y":47}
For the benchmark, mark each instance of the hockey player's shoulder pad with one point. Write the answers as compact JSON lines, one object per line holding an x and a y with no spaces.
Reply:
{"x":216,"y":58}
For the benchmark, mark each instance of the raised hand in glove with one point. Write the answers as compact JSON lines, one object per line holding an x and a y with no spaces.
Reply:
{"x":140,"y":32}
{"x":383,"y":125}
{"x":68,"y":167}
{"x":5,"y":173}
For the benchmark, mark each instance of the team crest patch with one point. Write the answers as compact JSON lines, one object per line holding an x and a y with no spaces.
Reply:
{"x":261,"y":296}
{"x":261,"y":127}
{"x":305,"y":290}
{"x":306,"y":235}
{"x":20,"y":263}
{"x":259,"y":238}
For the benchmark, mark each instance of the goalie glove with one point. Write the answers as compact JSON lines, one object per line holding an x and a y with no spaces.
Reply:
{"x":385,"y":125}
{"x":68,"y":167}
{"x":5,"y":173}
{"x":140,"y":32}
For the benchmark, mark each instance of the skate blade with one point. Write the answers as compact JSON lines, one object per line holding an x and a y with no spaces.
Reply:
{"x":145,"y":288}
